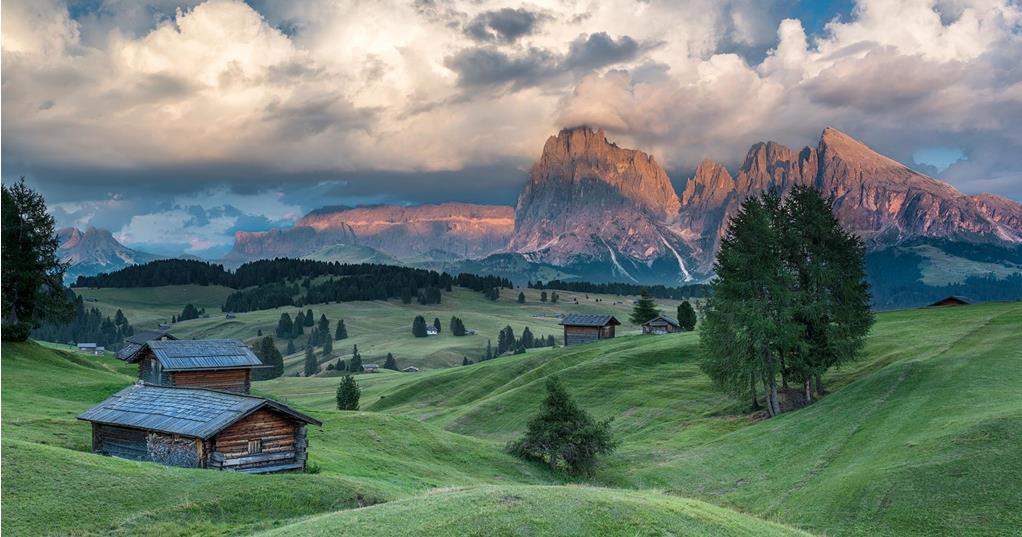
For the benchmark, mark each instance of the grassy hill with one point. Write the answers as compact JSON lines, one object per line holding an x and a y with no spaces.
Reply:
{"x":918,"y":438}
{"x":377,"y":327}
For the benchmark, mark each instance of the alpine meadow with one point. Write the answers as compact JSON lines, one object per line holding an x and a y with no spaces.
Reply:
{"x":519,"y":269}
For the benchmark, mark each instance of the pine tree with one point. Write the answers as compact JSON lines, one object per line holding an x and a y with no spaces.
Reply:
{"x":173,"y":319}
{"x":457,"y":327}
{"x":311,"y":365}
{"x":527,"y":340}
{"x":291,"y":347}
{"x":309,"y":319}
{"x":645,"y":309}
{"x":284,"y":326}
{"x":268,"y":355}
{"x":259,"y":332}
{"x":341,"y":366}
{"x":328,"y":346}
{"x":489,"y":350}
{"x":419,"y":326}
{"x":521,"y":297}
{"x":355,"y":365}
{"x":342,"y":331}
{"x":348,"y":394}
{"x":550,"y":341}
{"x":466,"y":361}
{"x":563,"y":435}
{"x":542,"y":296}
{"x":32,"y":274}
{"x":554,"y":297}
{"x":390,"y":362}
{"x":324,"y":325}
{"x":436,"y":325}
{"x":686,"y":316}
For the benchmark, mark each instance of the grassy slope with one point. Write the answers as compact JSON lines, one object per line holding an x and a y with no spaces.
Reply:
{"x":921,"y":438}
{"x":377,"y":327}
{"x":527,"y":511}
{"x":52,"y":486}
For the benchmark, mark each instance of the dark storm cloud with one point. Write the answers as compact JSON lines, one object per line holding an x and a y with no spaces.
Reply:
{"x":505,"y":25}
{"x":489,"y":66}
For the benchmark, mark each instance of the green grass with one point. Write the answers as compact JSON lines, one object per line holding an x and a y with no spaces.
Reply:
{"x":527,"y":511}
{"x":377,"y":327}
{"x":920,"y":437}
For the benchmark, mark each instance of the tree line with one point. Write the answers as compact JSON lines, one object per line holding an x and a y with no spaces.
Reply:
{"x":85,"y":325}
{"x":790,"y":300}
{"x":697,"y":290}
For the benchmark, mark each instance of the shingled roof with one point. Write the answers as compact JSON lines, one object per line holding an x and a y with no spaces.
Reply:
{"x":193,"y":412}
{"x":134,"y":343}
{"x":191,"y":354}
{"x":670,"y":320}
{"x":589,"y":319}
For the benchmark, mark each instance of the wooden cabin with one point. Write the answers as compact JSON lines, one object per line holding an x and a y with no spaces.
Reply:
{"x":134,"y":343}
{"x":951,"y":301}
{"x":218,"y":364}
{"x":661,"y":324}
{"x":579,"y":329}
{"x":200,"y":428}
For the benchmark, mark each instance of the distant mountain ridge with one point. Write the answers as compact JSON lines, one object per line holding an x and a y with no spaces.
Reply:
{"x":94,"y":251}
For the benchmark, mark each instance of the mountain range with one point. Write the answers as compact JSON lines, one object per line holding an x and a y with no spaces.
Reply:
{"x":591,"y":209}
{"x":94,"y":251}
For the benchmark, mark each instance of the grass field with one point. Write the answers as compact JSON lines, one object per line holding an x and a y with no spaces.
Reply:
{"x":920,"y":437}
{"x":377,"y":327}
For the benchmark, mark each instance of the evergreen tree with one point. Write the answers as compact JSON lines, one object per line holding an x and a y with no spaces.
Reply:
{"x":119,"y":318}
{"x":309,"y":320}
{"x":390,"y":362}
{"x":436,"y":325}
{"x":419,"y":326}
{"x":342,"y":331}
{"x":341,"y":366}
{"x":173,"y":319}
{"x":298,"y":327}
{"x":550,"y":341}
{"x":259,"y":332}
{"x":284,"y":326}
{"x":291,"y":347}
{"x":506,"y":340}
{"x":328,"y":346}
{"x":645,"y":309}
{"x":527,"y":340}
{"x":188,"y":313}
{"x":521,"y":297}
{"x":457,"y":327}
{"x":686,"y":316}
{"x":32,"y":275}
{"x":489,"y":350}
{"x":311,"y":365}
{"x":466,"y":361}
{"x":563,"y":435}
{"x":355,"y":365}
{"x":268,"y":355}
{"x":348,"y":394}
{"x":750,"y":324}
{"x":554,"y":297}
{"x":542,"y":296}
{"x":324,"y":325}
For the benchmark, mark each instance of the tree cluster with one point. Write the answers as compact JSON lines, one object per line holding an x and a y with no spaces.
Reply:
{"x":656,"y":291}
{"x":507,"y":342}
{"x":457,"y":327}
{"x":789,"y":302}
{"x":268,"y":355}
{"x":85,"y":325}
{"x":190,"y":312}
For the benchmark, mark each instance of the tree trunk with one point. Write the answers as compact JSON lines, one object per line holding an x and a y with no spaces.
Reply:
{"x":752,"y":387}
{"x":809,"y":391}
{"x":819,"y":385}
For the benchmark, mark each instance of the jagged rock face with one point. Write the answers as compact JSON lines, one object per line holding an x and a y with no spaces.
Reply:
{"x":95,"y":251}
{"x":589,"y":199}
{"x":881,"y":200}
{"x":460,"y":228}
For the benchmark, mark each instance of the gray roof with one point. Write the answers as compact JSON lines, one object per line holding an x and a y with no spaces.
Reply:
{"x":185,"y":354}
{"x":589,"y":319}
{"x":670,"y":320}
{"x":134,"y":343}
{"x":193,"y":412}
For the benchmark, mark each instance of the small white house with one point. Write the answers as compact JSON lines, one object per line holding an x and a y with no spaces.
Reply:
{"x":432,"y":331}
{"x":91,"y":348}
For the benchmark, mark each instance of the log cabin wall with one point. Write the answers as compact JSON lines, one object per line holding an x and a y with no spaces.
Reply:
{"x":577,"y":335}
{"x":231,"y":380}
{"x":264,"y":438}
{"x":151,"y":371}
{"x":140,"y":445}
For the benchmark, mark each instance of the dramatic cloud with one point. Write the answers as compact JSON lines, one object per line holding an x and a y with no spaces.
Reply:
{"x":136,"y":102}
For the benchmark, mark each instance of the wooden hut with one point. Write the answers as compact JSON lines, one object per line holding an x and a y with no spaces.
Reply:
{"x":200,"y":428}
{"x":587,"y":328}
{"x":134,"y":343}
{"x":661,"y":324}
{"x":219,"y":364}
{"x":950,"y":301}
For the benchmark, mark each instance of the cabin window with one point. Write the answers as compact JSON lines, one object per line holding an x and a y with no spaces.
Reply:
{"x":255,"y":446}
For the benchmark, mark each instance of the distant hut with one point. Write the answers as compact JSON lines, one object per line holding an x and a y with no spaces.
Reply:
{"x":587,"y":328}
{"x":219,"y":364}
{"x":661,"y":324}
{"x":370,"y":368}
{"x":951,"y":301}
{"x":200,"y":428}
{"x":134,"y":343}
{"x":91,"y":348}
{"x":410,"y":369}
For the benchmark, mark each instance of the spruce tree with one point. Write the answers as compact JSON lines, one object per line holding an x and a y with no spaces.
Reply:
{"x":527,"y":340}
{"x":259,"y":332}
{"x":554,"y":297}
{"x":348,"y":393}
{"x":645,"y":309}
{"x":355,"y":365}
{"x":465,"y":361}
{"x":686,"y":316}
{"x":390,"y":362}
{"x":419,"y":326}
{"x":284,"y":326}
{"x":342,"y":331}
{"x":268,"y":355}
{"x":291,"y":347}
{"x":324,"y":324}
{"x":309,"y":319}
{"x":562,"y":435}
{"x":457,"y":327}
{"x":436,"y":325}
{"x":521,"y":297}
{"x":328,"y":346}
{"x":32,"y":274}
{"x":311,"y":365}
{"x":542,"y":296}
{"x":489,"y":350}
{"x":341,"y":366}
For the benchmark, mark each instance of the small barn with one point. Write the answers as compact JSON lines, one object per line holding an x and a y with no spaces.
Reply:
{"x":370,"y":368}
{"x":951,"y":301}
{"x":219,"y":364}
{"x":661,"y":324}
{"x":586,"y":328}
{"x":134,"y":343}
{"x":91,"y":348}
{"x":200,"y":428}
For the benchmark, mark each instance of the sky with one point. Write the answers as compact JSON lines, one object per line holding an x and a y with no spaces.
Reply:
{"x":175,"y":123}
